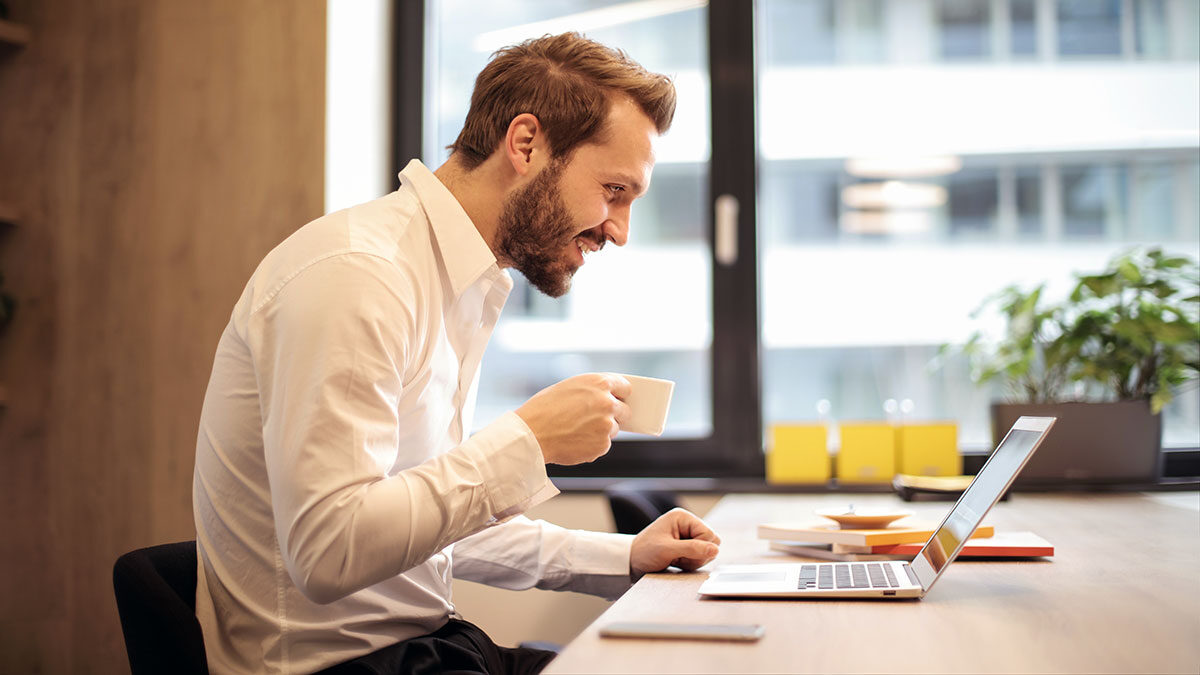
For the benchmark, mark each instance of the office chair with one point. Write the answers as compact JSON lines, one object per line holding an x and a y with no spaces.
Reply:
{"x":636,"y":504}
{"x":156,"y":598}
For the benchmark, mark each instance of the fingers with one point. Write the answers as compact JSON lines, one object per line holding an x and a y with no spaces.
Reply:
{"x":688,"y":526}
{"x":575,"y":420}
{"x":694,"y":554}
{"x":618,"y":415}
{"x":663,"y":544}
{"x":621,"y":411}
{"x":618,"y":385}
{"x":619,"y":389}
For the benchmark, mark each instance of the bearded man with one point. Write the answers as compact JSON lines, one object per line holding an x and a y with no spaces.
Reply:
{"x":336,"y":491}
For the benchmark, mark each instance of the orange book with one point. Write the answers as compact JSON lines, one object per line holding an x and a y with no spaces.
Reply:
{"x":832,"y":534}
{"x":1002,"y":544}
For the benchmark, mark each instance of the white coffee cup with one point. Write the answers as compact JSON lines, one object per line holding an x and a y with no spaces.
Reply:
{"x":649,"y":400}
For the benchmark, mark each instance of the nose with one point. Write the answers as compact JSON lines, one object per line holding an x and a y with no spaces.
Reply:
{"x":616,"y":227}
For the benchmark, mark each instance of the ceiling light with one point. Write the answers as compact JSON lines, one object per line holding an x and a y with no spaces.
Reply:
{"x":901,"y":166}
{"x":582,"y":22}
{"x":893,"y":194}
{"x":886,"y":222}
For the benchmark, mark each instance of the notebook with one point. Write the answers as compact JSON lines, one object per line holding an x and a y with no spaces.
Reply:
{"x":888,"y":579}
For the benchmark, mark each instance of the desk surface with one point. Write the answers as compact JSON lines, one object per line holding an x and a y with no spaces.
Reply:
{"x":1071,"y":613}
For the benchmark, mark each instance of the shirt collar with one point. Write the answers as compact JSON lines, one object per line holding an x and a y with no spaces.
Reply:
{"x":464,"y":252}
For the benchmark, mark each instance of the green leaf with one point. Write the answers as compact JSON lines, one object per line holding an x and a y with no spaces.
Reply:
{"x":1162,"y":289}
{"x":1159,"y":399}
{"x":1129,"y":270}
{"x":1130,"y":321}
{"x":1102,"y":285}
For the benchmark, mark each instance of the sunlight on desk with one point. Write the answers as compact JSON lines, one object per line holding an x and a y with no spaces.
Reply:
{"x":1066,"y":614}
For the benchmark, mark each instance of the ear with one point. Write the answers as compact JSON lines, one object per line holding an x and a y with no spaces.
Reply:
{"x":525,"y":144}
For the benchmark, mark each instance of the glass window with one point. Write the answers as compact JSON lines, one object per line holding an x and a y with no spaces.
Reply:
{"x":1023,"y":41}
{"x":858,"y":31}
{"x":813,"y":40}
{"x":974,"y":200}
{"x":1089,"y":27}
{"x":1094,"y":201}
{"x":893,"y":201}
{"x":890,"y":200}
{"x":1029,"y":202}
{"x":965,"y":28}
{"x":1183,"y":37}
{"x":1150,"y":32}
{"x":802,"y":203}
{"x":1151,"y":207}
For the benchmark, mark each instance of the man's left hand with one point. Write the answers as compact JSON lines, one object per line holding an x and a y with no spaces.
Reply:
{"x":676,"y":538}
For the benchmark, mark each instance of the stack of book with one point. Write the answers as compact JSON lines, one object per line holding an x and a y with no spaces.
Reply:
{"x":898,"y":542}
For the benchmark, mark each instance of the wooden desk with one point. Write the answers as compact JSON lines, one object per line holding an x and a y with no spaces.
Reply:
{"x":1122,"y":594}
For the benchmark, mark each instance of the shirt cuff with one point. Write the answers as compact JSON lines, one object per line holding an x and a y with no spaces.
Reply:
{"x":510,"y":461}
{"x":600,"y":563}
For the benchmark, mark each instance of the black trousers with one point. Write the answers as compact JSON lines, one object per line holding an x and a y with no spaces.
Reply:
{"x":457,"y":647}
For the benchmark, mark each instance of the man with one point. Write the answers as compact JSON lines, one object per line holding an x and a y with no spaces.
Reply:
{"x":336,"y":492}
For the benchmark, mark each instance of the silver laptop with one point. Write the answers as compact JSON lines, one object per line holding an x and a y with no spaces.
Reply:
{"x":892,"y":578}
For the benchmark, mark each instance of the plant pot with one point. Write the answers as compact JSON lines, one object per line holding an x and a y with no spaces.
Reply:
{"x":1092,"y":443}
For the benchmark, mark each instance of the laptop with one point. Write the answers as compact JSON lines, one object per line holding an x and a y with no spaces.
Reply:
{"x":892,"y":578}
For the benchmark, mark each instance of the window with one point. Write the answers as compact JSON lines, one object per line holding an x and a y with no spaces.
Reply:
{"x":1089,"y":27}
{"x":893,"y":163}
{"x":965,"y":29}
{"x":895,"y":196}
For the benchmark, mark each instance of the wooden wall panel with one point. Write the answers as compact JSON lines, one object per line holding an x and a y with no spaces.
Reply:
{"x":156,"y":151}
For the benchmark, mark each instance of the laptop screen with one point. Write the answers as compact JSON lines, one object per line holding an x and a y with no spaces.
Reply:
{"x":991,"y":482}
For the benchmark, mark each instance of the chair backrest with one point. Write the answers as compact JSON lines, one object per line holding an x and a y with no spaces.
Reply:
{"x":156,"y":598}
{"x":636,"y":504}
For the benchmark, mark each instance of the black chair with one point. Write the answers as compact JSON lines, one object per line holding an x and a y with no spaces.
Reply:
{"x":156,"y":598}
{"x":636,"y":504}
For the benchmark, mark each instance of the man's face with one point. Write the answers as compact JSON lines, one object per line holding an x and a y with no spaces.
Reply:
{"x":574,"y":207}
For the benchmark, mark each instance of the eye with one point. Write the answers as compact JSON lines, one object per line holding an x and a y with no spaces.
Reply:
{"x":614,"y":190}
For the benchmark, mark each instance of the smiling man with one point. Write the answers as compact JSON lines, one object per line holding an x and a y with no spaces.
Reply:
{"x":566,"y":177}
{"x":336,"y":491}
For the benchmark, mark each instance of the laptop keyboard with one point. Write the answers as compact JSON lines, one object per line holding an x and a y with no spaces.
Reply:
{"x":847,"y":575}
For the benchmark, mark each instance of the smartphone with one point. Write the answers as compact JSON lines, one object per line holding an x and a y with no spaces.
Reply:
{"x":683,"y":631}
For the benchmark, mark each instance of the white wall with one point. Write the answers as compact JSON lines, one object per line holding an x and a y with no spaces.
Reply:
{"x":357,"y":108}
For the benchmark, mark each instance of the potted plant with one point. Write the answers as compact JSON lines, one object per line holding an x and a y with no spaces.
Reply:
{"x":1104,"y":361}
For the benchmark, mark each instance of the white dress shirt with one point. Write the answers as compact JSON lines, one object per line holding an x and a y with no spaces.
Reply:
{"x":335,"y":490}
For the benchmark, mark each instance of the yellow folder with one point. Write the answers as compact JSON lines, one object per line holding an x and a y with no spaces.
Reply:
{"x":798,"y":453}
{"x":929,"y":450}
{"x":867,"y":453}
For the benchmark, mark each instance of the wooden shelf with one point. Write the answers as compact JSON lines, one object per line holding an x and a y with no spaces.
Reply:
{"x":3,"y":396}
{"x":14,"y":33}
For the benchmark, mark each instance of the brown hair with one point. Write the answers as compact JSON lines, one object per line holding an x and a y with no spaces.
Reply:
{"x":566,"y":82}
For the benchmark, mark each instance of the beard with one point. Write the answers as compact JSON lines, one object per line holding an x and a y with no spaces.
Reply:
{"x":534,"y":231}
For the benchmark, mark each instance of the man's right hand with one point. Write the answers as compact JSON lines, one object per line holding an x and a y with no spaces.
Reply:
{"x":575,"y":420}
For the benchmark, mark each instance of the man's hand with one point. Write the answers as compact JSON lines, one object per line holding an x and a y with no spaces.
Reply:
{"x":676,"y":538}
{"x":575,"y":420}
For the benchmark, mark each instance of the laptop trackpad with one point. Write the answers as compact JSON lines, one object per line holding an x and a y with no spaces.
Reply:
{"x":751,"y":577}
